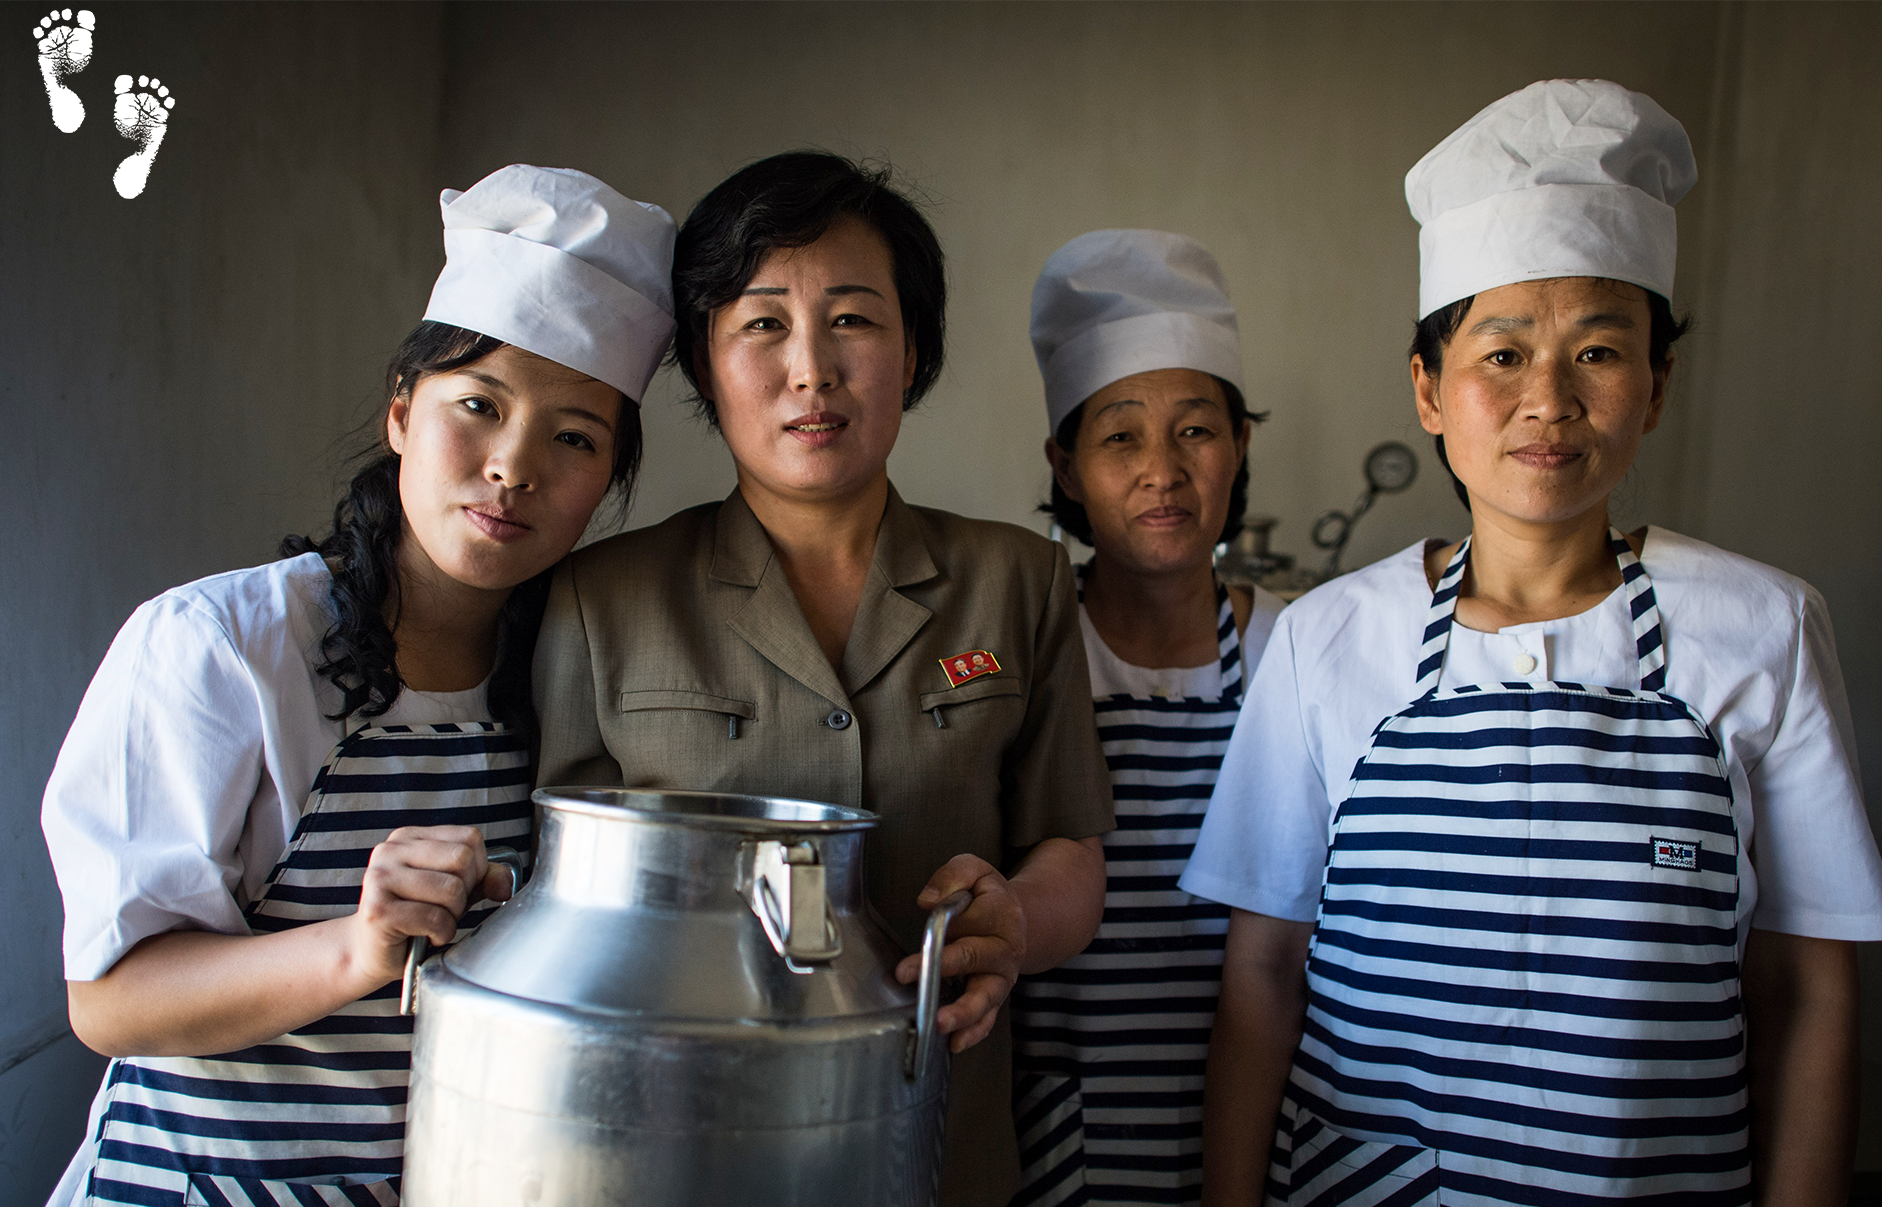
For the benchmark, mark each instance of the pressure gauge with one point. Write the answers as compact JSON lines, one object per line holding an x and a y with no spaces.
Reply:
{"x":1391,"y":467}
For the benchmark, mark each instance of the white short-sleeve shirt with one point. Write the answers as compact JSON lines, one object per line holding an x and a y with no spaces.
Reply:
{"x":1748,"y":646}
{"x":192,"y":756}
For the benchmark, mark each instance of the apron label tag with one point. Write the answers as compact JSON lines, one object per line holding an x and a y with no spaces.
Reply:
{"x":1672,"y":853}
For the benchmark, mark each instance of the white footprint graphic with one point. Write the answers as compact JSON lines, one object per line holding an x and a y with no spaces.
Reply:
{"x":142,"y":115}
{"x":64,"y":50}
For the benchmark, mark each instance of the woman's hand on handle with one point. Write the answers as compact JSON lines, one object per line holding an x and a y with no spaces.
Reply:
{"x":1037,"y":919}
{"x":419,"y":881}
{"x":987,"y":942}
{"x":190,"y":993}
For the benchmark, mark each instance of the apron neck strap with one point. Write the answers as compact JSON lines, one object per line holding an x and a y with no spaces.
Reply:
{"x":1228,"y":643}
{"x":1649,"y":647}
{"x":1438,"y":623}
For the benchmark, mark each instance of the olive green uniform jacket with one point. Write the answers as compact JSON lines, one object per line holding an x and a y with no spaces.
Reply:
{"x":676,"y":657}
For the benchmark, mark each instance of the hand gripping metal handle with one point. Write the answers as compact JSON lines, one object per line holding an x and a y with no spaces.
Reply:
{"x":420,"y":948}
{"x":929,"y":999}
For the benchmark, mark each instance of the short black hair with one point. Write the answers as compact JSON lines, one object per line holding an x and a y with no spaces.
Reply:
{"x":1435,"y":331}
{"x":1071,"y":515}
{"x":791,"y":200}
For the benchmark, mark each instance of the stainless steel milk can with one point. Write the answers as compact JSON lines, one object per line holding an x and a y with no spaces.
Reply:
{"x":688,"y":1003}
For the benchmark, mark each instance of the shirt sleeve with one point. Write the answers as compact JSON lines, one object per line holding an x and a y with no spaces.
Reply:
{"x":1263,"y":842}
{"x":1056,"y":783}
{"x":1818,"y":871}
{"x":147,"y":801}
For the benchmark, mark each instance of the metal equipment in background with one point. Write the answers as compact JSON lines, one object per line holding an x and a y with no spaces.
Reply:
{"x":1390,"y":468}
{"x":688,"y":1003}
{"x":1248,"y":561}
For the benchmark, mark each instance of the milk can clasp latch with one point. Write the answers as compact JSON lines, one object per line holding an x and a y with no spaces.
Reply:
{"x":786,"y":890}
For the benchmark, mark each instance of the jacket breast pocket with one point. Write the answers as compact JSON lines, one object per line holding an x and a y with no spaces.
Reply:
{"x":669,"y":714}
{"x":978,"y":703}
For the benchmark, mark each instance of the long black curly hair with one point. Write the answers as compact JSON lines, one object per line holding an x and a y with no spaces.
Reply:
{"x":361,"y":656}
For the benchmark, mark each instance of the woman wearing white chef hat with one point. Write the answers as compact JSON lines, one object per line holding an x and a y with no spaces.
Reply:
{"x":1137,"y":343}
{"x":243,"y":854}
{"x":1547,"y":849}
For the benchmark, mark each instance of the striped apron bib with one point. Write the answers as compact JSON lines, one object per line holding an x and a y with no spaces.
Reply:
{"x":316,"y":1116}
{"x":1110,"y":1045}
{"x":1523,"y":982}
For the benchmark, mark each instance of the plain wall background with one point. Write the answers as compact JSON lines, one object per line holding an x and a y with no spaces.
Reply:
{"x":1782,"y":424}
{"x":183,"y":370}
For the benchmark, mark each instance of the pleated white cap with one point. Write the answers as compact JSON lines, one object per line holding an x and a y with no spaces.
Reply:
{"x":1566,"y":178}
{"x":559,"y":264}
{"x":1116,"y":302}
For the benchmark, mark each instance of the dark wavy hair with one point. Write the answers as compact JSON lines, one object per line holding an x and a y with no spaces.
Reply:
{"x":361,"y":655}
{"x":1434,"y":333}
{"x":788,"y":201}
{"x":1071,"y":515}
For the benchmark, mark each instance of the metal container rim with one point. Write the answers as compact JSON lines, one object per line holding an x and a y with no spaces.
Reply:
{"x":815,"y":817}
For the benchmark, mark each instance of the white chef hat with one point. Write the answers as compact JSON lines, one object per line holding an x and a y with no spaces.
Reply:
{"x":1566,"y":178}
{"x":559,"y":264}
{"x":1116,"y":302}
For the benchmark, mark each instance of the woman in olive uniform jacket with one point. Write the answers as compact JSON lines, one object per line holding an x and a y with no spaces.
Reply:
{"x":815,"y":636}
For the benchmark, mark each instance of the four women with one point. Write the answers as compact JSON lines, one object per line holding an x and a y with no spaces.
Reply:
{"x":1578,"y":918}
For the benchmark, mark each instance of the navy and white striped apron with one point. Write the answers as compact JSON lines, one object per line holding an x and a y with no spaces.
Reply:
{"x":1110,"y":1045}
{"x":316,"y":1116}
{"x":1523,"y":982}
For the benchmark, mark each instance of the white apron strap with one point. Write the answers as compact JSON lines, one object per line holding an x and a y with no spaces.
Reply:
{"x":1438,"y":623}
{"x":1649,"y":642}
{"x":1642,"y":606}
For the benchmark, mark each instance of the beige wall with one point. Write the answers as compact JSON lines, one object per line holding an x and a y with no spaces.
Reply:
{"x":180,"y":367}
{"x":1783,"y":427}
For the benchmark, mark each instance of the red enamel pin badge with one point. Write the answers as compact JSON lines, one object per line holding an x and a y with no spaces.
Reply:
{"x":970,"y":665}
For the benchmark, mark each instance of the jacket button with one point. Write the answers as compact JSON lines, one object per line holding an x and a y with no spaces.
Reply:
{"x":838,"y":720}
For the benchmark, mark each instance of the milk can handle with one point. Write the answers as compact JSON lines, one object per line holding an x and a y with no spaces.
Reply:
{"x":420,"y":946}
{"x":929,"y":1001}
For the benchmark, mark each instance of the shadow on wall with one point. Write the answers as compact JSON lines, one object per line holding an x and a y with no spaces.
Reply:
{"x":42,"y":1117}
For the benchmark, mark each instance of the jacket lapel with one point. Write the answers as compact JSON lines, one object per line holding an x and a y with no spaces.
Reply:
{"x":770,"y":620}
{"x":886,"y":620}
